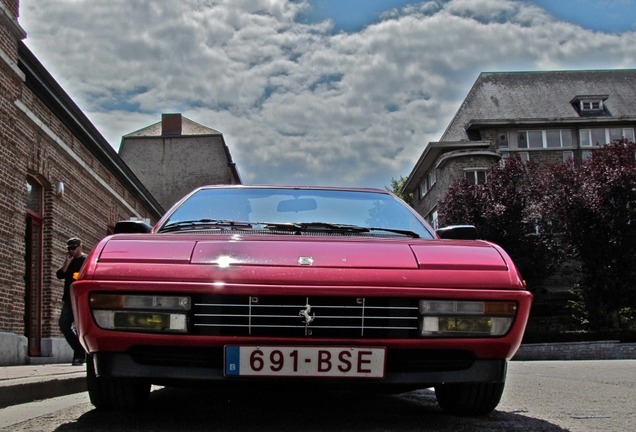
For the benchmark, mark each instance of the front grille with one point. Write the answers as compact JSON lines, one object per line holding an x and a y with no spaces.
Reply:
{"x":298,"y":316}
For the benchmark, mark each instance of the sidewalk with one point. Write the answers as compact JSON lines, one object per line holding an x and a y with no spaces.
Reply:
{"x":23,"y":384}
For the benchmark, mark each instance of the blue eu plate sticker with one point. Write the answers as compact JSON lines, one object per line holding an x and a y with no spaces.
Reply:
{"x":232,"y":360}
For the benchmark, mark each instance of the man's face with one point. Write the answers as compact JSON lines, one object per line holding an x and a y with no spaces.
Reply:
{"x":75,"y":251}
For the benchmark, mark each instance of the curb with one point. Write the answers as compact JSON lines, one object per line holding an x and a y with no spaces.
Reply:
{"x":31,"y":389}
{"x":594,"y":350}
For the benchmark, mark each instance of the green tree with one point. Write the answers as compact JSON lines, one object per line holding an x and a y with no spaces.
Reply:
{"x":397,"y":186}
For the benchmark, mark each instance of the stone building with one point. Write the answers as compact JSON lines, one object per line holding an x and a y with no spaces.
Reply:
{"x":545,"y":117}
{"x":59,"y":178}
{"x":177,"y":155}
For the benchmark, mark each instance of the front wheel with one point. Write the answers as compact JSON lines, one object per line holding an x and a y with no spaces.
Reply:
{"x":469,"y":399}
{"x":114,"y":393}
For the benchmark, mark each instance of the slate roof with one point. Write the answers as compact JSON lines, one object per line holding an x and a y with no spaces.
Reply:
{"x":517,"y":97}
{"x":188,"y":127}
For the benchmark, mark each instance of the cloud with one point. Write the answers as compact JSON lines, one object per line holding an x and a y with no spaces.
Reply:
{"x":296,"y":102}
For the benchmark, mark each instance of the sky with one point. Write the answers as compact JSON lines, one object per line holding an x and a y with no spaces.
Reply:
{"x":311,"y":92}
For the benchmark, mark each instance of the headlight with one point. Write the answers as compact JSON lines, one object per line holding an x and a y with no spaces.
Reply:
{"x":141,"y":312}
{"x":465,"y":318}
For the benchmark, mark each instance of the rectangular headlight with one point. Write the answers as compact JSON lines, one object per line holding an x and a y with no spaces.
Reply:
{"x":126,"y":301}
{"x":145,"y":313}
{"x":465,"y":318}
{"x":141,"y":321}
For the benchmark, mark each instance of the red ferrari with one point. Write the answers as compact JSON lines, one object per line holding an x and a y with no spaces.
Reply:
{"x":337,"y":287}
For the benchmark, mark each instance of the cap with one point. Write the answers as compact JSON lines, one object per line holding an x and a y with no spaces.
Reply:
{"x":73,"y":242}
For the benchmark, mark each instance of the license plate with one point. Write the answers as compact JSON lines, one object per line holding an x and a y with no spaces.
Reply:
{"x":302,"y":361}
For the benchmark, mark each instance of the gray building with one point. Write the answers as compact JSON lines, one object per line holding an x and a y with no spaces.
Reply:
{"x":546,"y":117}
{"x":176,"y":155}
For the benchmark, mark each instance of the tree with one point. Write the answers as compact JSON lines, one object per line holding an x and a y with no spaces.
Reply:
{"x":506,"y":211}
{"x":590,"y":208}
{"x":397,"y":187}
{"x":594,"y":206}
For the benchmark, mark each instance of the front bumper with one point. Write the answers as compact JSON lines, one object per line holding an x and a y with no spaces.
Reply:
{"x":404,"y":369}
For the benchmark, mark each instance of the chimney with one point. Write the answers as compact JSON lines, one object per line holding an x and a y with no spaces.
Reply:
{"x":170,"y":124}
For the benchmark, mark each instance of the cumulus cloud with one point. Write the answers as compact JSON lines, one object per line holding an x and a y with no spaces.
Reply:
{"x":297,"y":102}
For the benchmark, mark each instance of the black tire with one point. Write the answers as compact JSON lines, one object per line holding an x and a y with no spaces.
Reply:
{"x":469,"y":399}
{"x":115,"y":393}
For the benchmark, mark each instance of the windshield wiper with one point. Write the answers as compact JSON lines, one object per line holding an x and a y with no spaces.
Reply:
{"x":397,"y":231}
{"x":325,"y":226}
{"x":201,"y":223}
{"x":315,"y":226}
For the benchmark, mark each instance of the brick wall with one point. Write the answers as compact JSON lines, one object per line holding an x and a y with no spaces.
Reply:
{"x":37,"y":142}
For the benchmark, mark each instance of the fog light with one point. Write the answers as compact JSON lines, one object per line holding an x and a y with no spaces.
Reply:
{"x":141,"y":313}
{"x":141,"y":321}
{"x":465,"y":318}
{"x":126,"y":301}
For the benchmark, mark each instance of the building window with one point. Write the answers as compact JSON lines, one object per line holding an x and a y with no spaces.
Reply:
{"x":432,"y":179}
{"x":586,"y":154}
{"x":551,"y":138}
{"x":591,"y":105}
{"x":423,"y":187}
{"x":475,"y":177}
{"x":602,"y":136}
{"x":620,"y":133}
{"x":530,"y":139}
{"x":427,"y":183}
{"x":568,"y":156}
{"x":524,"y":156}
{"x":592,"y":137}
{"x":502,"y":140}
{"x":558,"y":138}
{"x":432,"y":218}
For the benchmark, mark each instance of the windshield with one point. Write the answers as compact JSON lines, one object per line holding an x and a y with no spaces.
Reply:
{"x":297,"y":206}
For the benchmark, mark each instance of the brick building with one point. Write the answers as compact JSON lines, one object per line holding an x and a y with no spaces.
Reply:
{"x":58,"y":178}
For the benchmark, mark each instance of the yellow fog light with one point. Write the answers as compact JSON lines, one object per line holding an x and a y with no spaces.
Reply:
{"x":465,"y":318}
{"x":144,"y":313}
{"x":128,"y":301}
{"x":141,"y":321}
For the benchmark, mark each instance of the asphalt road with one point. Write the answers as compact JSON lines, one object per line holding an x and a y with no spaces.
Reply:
{"x":540,"y":396}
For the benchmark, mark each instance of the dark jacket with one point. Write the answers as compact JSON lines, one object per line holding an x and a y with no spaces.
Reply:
{"x":73,"y":267}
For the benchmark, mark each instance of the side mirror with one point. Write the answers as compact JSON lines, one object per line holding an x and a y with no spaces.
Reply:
{"x":132,"y":227}
{"x":458,"y":232}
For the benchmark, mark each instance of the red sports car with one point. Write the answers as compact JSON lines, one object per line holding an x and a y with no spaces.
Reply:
{"x":333,"y":286}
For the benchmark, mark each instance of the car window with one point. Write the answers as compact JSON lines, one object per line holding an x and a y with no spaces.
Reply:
{"x":359,"y":208}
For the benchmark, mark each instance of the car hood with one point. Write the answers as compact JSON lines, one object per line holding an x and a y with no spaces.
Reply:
{"x":248,"y":258}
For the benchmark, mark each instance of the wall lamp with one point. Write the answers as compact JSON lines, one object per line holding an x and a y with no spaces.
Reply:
{"x":59,"y":189}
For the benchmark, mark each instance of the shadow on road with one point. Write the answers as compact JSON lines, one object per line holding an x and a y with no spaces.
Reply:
{"x":305,"y":410}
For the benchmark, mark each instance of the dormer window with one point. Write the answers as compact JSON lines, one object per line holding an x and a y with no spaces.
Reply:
{"x":590,"y":105}
{"x":593,"y":105}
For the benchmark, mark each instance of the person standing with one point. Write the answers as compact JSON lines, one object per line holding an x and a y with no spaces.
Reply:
{"x":72,"y":264}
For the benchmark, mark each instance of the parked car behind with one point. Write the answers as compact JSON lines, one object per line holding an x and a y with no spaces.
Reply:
{"x":333,"y":286}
